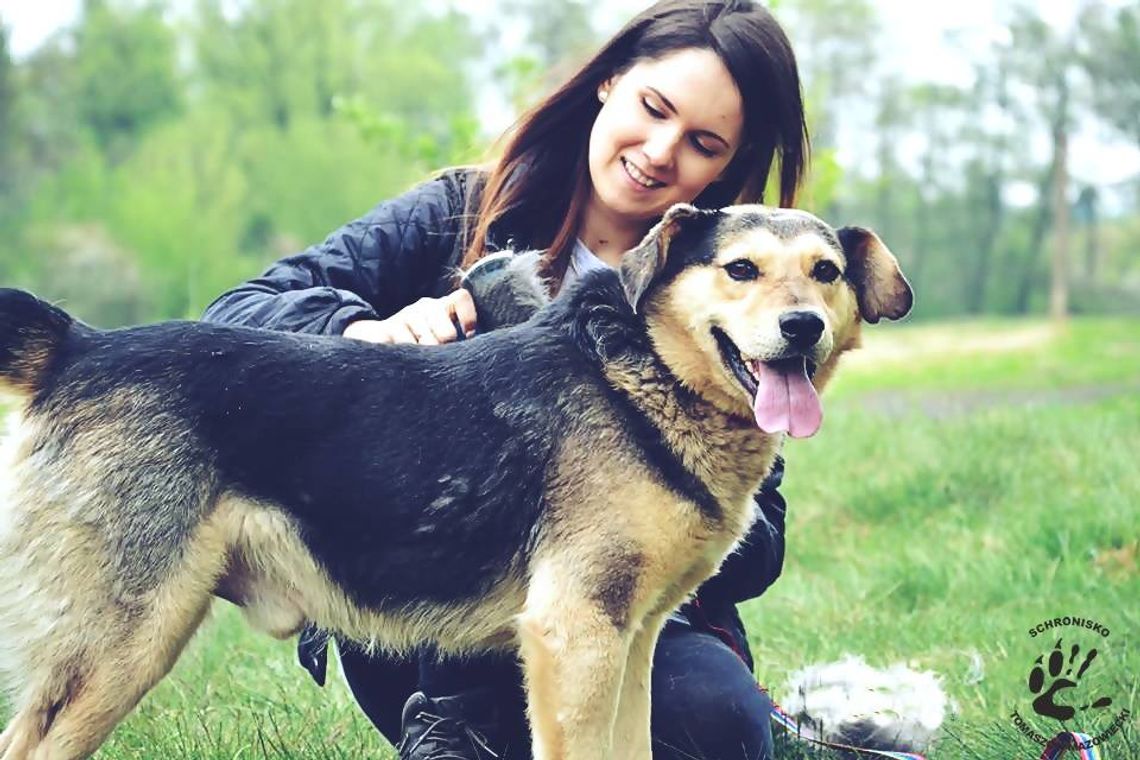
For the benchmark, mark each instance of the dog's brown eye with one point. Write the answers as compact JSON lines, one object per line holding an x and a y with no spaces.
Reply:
{"x":742,"y":270}
{"x":825,"y":271}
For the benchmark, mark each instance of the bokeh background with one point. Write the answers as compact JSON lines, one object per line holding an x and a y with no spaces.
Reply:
{"x":977,"y":470}
{"x":182,"y":145}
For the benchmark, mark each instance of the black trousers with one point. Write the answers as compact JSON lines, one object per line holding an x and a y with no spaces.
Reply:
{"x":706,"y":703}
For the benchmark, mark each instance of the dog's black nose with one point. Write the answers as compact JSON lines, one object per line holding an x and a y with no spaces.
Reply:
{"x":801,"y":328}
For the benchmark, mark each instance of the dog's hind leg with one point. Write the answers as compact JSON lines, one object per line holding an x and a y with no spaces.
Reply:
{"x":100,"y":658}
{"x":78,"y":704}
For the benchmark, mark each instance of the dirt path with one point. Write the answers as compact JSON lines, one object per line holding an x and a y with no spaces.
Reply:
{"x":947,"y":404}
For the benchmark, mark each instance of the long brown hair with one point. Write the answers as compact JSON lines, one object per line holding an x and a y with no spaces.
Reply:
{"x":542,"y":176}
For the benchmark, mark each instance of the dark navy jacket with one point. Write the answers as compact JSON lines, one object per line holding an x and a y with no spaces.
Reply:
{"x":410,"y":247}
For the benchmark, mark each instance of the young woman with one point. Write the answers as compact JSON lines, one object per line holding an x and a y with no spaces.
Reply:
{"x":693,"y":100}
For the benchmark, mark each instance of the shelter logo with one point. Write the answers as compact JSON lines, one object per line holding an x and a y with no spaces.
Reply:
{"x":1065,"y":684}
{"x":1051,"y":687}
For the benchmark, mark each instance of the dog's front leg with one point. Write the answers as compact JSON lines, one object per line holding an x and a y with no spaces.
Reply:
{"x":574,"y":659}
{"x":632,"y":739}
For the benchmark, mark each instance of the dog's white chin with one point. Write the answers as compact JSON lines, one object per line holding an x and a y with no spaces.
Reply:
{"x":849,"y":702}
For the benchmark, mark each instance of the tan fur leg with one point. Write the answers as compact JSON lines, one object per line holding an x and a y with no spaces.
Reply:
{"x":74,"y":721}
{"x":573,"y":662}
{"x":631,"y":729}
{"x":19,"y":736}
{"x":95,"y":665}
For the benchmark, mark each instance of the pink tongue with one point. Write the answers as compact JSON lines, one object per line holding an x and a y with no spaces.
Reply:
{"x":786,"y":401}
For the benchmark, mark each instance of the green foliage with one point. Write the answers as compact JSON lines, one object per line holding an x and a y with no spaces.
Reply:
{"x":244,"y":131}
{"x":124,"y":75}
{"x":7,"y":113}
{"x":1112,"y":58}
{"x":292,"y":118}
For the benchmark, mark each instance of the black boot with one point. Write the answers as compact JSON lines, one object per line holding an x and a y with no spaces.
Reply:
{"x":448,"y":728}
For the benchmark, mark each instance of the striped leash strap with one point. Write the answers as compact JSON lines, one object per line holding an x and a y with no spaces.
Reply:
{"x":789,"y":724}
{"x":1066,"y":740}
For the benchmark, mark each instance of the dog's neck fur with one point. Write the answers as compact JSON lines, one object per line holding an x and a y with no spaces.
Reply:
{"x":710,"y":437}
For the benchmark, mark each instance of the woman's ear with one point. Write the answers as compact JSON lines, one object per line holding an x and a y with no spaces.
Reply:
{"x":605,"y":87}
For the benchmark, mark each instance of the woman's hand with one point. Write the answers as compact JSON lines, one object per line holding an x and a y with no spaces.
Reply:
{"x":428,"y":321}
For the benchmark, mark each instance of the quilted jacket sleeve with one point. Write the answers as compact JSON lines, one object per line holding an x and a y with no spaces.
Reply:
{"x":370,"y":268}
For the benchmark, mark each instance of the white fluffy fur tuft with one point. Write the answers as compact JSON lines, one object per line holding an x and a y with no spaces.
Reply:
{"x":850,"y":702}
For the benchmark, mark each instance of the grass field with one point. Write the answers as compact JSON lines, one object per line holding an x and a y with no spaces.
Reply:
{"x":970,"y":481}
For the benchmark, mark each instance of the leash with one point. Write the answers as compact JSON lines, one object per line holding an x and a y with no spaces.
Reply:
{"x":1066,"y":740}
{"x":793,"y":728}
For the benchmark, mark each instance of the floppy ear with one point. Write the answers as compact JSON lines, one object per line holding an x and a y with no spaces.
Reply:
{"x":881,"y":288}
{"x":640,"y":265}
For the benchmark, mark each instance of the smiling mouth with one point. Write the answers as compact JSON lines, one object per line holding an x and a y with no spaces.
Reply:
{"x":780,"y":390}
{"x":639,"y":176}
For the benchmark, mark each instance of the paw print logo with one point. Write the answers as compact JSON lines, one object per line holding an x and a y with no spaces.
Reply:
{"x":1060,"y":676}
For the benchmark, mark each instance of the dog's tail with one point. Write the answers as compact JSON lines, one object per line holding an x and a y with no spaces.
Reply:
{"x":30,"y":333}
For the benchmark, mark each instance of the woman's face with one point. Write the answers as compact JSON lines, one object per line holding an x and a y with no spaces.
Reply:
{"x":668,"y":127}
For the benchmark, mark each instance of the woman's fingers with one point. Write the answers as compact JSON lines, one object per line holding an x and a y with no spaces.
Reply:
{"x":464,"y":307}
{"x":437,"y":317}
{"x":399,"y":331}
{"x":369,"y":331}
{"x":428,"y":321}
{"x":420,"y":319}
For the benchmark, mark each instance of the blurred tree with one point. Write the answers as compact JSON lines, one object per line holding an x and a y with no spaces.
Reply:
{"x":890,"y":123}
{"x":1044,"y":61}
{"x":1086,"y":212}
{"x":1111,"y":56}
{"x":50,"y":128}
{"x":557,"y":33}
{"x":936,"y":112}
{"x":275,"y":61}
{"x":125,"y":78}
{"x":987,"y":133}
{"x":558,"y":38}
{"x":835,"y":47}
{"x":7,"y":116}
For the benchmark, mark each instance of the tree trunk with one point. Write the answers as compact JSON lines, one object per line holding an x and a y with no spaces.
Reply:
{"x":1029,"y":261}
{"x":986,"y":241}
{"x":1059,"y":287}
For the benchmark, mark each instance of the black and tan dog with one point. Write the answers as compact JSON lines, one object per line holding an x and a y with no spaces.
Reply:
{"x":556,"y":487}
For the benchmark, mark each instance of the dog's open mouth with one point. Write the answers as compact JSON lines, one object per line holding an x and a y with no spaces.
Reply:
{"x":783,"y":398}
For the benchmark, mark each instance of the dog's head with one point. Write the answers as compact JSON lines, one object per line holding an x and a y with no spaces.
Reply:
{"x":751,"y":306}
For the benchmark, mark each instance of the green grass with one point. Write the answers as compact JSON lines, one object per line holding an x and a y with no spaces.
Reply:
{"x":940,"y":540}
{"x":936,"y":539}
{"x":992,"y":355}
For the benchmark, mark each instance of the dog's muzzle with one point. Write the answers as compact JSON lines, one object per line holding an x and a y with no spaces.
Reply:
{"x":783,"y":398}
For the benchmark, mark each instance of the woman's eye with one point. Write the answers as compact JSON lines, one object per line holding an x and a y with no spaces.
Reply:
{"x":655,"y":113}
{"x":742,"y":270}
{"x":825,"y":271}
{"x":703,"y":149}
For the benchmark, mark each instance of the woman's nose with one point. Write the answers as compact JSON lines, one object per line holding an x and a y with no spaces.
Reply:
{"x":660,"y":146}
